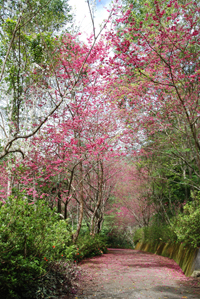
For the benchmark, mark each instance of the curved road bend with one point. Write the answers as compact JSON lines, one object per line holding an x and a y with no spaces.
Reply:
{"x":133,"y":274}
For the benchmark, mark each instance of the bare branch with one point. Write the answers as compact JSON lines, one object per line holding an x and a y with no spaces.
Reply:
{"x":91,"y":16}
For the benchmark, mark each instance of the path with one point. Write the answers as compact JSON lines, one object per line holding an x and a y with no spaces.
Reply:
{"x":127,"y":274}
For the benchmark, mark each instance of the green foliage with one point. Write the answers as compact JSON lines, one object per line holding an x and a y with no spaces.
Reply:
{"x":155,"y":233}
{"x":31,"y":50}
{"x":118,"y":238}
{"x":59,"y":280}
{"x":139,"y":235}
{"x":187,"y":224}
{"x":42,"y":15}
{"x":42,"y":46}
{"x":32,"y":239}
{"x":88,"y":246}
{"x":184,"y":227}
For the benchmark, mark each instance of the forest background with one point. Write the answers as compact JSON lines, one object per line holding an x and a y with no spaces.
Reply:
{"x":99,"y":142}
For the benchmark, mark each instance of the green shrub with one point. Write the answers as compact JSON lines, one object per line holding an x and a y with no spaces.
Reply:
{"x":155,"y":233}
{"x":187,"y":224}
{"x":32,"y":238}
{"x":139,"y":235}
{"x":88,"y":246}
{"x":118,"y":237}
{"x":58,"y":280}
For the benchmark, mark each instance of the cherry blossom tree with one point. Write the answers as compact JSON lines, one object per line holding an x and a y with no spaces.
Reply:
{"x":38,"y":93}
{"x":68,"y":160}
{"x":156,"y":82}
{"x":132,"y":193}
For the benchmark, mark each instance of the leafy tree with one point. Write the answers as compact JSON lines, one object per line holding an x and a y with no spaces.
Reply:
{"x":157,"y":79}
{"x":186,"y":225}
{"x":69,"y":162}
{"x":39,"y":100}
{"x":27,"y":30}
{"x":164,"y":69}
{"x":156,"y":84}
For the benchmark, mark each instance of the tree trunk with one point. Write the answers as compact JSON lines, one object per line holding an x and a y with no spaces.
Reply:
{"x":100,"y":194}
{"x":65,"y":212}
{"x":75,"y":236}
{"x":59,"y":203}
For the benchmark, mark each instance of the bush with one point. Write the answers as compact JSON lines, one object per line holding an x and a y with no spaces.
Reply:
{"x":88,"y":246}
{"x":58,"y":280}
{"x":187,"y":224}
{"x":118,"y":235}
{"x":119,"y":238}
{"x":139,"y":235}
{"x":32,"y":238}
{"x":155,"y":233}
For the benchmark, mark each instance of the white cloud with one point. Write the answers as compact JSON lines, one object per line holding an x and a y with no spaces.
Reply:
{"x":83,"y":19}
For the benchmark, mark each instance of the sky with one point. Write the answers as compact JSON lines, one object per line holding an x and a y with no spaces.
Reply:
{"x":83,"y":20}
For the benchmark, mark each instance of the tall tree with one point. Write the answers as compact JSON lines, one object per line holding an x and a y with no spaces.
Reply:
{"x":27,"y":30}
{"x":67,"y":160}
{"x":157,"y":79}
{"x":29,"y":64}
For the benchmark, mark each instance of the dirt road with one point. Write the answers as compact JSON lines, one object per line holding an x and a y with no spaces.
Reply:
{"x":127,"y":274}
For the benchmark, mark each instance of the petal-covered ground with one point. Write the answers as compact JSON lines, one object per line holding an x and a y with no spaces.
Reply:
{"x":127,"y":274}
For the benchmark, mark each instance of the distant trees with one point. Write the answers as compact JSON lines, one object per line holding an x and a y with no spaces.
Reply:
{"x":132,"y":195}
